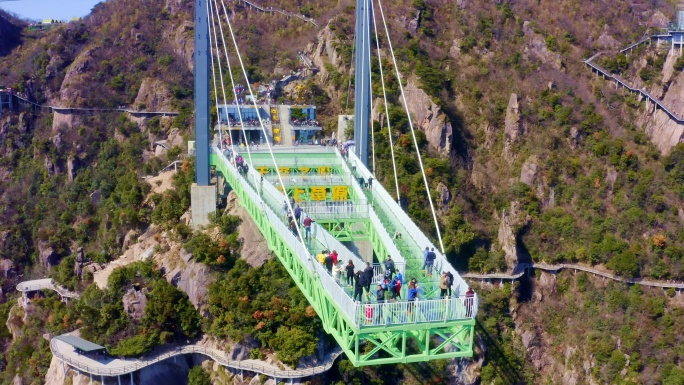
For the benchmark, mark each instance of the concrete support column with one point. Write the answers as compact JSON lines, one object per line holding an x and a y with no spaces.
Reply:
{"x":132,"y":383}
{"x":119,"y":377}
{"x":102,"y":379}
{"x":203,"y":203}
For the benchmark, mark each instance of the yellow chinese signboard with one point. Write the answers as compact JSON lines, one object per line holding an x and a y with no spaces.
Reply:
{"x":319,"y":193}
{"x":320,"y":170}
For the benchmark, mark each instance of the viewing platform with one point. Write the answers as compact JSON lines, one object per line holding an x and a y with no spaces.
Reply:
{"x":369,"y":332}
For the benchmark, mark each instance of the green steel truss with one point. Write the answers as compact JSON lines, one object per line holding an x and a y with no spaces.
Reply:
{"x":404,"y":340}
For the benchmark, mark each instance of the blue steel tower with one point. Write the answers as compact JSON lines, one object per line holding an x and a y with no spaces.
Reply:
{"x":362,"y":81}
{"x":201,"y":93}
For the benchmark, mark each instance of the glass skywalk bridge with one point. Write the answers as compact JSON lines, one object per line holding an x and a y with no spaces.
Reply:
{"x":369,"y":333}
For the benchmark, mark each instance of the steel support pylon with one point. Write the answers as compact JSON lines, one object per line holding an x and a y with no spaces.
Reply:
{"x":362,"y":86}
{"x":201,"y":93}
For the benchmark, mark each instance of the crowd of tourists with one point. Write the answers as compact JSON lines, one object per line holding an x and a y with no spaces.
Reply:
{"x":304,"y":123}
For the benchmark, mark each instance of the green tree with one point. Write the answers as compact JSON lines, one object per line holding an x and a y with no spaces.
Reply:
{"x":293,"y":343}
{"x":198,"y":376}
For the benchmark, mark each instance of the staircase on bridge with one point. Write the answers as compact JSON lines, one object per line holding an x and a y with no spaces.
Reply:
{"x":327,"y":187}
{"x":285,"y":127}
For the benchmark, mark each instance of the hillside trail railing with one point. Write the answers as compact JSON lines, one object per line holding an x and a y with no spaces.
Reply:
{"x":355,"y":312}
{"x":46,"y":284}
{"x":570,"y":266}
{"x":281,"y":11}
{"x":620,"y":82}
{"x":216,"y":355}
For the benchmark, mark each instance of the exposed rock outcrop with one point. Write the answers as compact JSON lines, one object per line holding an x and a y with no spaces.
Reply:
{"x":325,"y":52}
{"x":664,"y":132}
{"x":134,"y":302}
{"x":153,"y":95}
{"x":528,"y":174}
{"x":47,"y":255}
{"x":254,"y":247}
{"x":513,"y":128}
{"x":189,"y":276}
{"x":535,"y":47}
{"x":429,"y":118}
{"x":70,"y":95}
{"x":183,"y":43}
{"x":508,"y":242}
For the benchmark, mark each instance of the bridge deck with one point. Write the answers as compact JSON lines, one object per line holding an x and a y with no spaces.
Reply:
{"x":369,"y":333}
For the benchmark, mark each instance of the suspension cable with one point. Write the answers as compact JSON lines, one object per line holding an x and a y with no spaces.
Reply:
{"x":263,"y":129}
{"x":351,"y":65}
{"x":232,"y":83}
{"x":384,"y":96}
{"x":413,"y":133}
{"x":213,"y":72}
{"x":370,"y":88}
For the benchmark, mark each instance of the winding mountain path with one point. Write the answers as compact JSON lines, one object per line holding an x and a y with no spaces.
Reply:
{"x":119,"y":366}
{"x":45,"y":284}
{"x":275,"y":10}
{"x":523,"y":267}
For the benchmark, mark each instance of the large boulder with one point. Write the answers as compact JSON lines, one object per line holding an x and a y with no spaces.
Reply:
{"x":47,"y":255}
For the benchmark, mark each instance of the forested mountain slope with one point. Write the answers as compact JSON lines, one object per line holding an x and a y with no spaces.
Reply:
{"x":542,"y":160}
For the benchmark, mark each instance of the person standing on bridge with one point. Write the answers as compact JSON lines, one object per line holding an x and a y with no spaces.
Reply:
{"x":430,"y":261}
{"x":358,"y":286}
{"x":443,"y":284}
{"x":389,"y":267}
{"x":350,"y":273}
{"x":425,"y":255}
{"x":469,"y":299}
{"x":412,"y":294}
{"x":328,"y":263}
{"x":368,"y":277}
{"x":307,"y":227}
{"x":298,"y":214}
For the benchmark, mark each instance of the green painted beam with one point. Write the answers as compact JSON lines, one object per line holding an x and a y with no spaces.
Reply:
{"x":363,"y":344}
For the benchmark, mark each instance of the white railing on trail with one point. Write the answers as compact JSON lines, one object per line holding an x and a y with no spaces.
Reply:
{"x":46,"y":284}
{"x":216,"y":355}
{"x":572,"y":266}
{"x":382,"y":197}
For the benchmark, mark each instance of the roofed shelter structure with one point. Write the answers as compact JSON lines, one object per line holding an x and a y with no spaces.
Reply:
{"x":80,"y":345}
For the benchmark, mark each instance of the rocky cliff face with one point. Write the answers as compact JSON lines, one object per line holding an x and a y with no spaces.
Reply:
{"x":664,"y":132}
{"x":429,"y":118}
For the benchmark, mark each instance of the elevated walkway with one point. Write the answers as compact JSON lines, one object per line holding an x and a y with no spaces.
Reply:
{"x":369,"y":333}
{"x":45,"y":284}
{"x":108,"y":366}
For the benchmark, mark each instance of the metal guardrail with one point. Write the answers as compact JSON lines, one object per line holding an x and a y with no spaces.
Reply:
{"x":587,"y":269}
{"x":28,"y":286}
{"x":412,"y":230}
{"x":286,"y":13}
{"x":354,"y":311}
{"x":196,"y":349}
{"x":644,"y":93}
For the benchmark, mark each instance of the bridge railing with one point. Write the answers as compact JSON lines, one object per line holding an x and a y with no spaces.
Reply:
{"x":419,"y":311}
{"x":412,"y":230}
{"x":311,"y":179}
{"x":274,"y":199}
{"x":335,"y":210}
{"x":377,"y":224}
{"x":268,"y":190}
